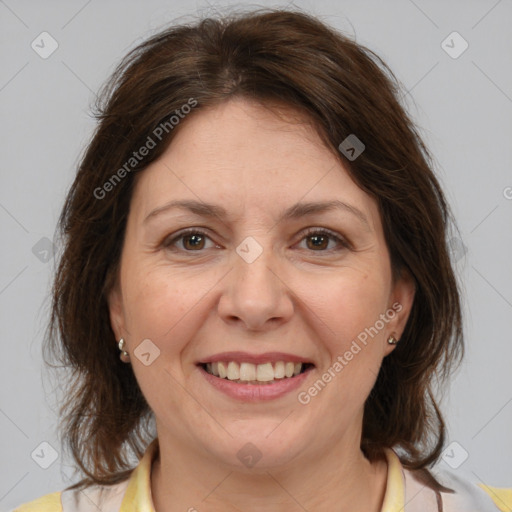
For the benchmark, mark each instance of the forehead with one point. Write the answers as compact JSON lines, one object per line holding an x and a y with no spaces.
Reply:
{"x":244,"y":155}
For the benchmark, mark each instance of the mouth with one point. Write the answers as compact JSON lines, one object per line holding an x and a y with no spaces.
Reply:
{"x":246,"y":373}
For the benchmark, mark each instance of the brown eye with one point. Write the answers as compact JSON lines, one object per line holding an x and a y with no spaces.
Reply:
{"x":317,"y":242}
{"x":322,"y":240}
{"x":193,"y":242}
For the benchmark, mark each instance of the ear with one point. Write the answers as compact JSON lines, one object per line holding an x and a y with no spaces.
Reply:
{"x":400,"y":301}
{"x":116,"y":311}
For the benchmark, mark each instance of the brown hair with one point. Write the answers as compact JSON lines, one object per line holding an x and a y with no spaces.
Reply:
{"x":274,"y":57}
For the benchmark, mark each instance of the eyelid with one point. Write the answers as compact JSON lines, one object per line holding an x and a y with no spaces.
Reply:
{"x":170,"y":240}
{"x":341,"y":240}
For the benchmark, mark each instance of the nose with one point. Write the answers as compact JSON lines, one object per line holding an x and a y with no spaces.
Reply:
{"x":256,"y":295}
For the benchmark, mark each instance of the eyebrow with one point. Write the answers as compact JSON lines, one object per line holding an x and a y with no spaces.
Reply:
{"x":294,"y":212}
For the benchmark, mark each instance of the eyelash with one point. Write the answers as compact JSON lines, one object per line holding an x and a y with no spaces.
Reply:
{"x":168,"y":243}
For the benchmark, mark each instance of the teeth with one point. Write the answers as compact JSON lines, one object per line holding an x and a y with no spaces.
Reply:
{"x":223,"y":372}
{"x":279,"y":370}
{"x":233,"y":371}
{"x":265,"y":372}
{"x":248,"y":372}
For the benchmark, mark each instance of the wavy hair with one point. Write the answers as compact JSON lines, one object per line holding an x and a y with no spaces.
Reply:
{"x":275,"y":57}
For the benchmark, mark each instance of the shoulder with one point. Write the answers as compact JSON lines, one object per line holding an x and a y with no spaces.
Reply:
{"x":90,"y":499}
{"x":502,"y":496}
{"x":47,"y":503}
{"x":469,"y":494}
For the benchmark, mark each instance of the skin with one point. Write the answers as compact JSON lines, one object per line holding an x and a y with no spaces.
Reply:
{"x":295,"y":298}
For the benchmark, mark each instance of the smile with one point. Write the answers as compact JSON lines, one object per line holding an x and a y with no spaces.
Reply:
{"x":255,"y":382}
{"x":249,"y":373}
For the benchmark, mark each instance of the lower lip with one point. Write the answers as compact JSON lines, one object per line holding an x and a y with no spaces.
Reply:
{"x":256,"y":392}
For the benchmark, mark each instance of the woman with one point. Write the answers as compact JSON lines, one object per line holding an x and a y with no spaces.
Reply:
{"x":255,"y":258}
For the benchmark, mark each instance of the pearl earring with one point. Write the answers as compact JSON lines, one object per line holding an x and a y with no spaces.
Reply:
{"x":392,"y":340}
{"x":124,"y":355}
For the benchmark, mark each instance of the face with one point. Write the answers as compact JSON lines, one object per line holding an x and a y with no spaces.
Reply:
{"x":248,"y":246}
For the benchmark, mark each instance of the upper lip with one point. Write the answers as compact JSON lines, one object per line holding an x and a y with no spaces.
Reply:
{"x":245,"y":357}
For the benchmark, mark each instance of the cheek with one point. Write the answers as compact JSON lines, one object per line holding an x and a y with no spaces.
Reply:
{"x":360,"y":302}
{"x":347,"y":301}
{"x":152,"y":304}
{"x":165,"y":305}
{"x":349,"y":304}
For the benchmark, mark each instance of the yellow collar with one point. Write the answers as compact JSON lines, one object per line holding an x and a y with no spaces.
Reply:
{"x":395,"y":487}
{"x":138,"y":493}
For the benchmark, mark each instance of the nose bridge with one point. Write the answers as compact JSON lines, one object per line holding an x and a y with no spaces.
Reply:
{"x":255,"y":294}
{"x":253,"y":262}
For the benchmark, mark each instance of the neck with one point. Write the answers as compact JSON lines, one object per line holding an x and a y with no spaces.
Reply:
{"x":338,"y":480}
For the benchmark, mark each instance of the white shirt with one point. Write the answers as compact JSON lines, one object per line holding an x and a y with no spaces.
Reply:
{"x":404,"y":493}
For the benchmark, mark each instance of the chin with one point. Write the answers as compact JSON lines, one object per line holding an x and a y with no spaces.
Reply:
{"x":259,"y":447}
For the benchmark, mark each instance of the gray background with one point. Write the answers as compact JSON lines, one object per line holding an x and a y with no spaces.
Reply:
{"x":462,"y":105}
